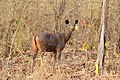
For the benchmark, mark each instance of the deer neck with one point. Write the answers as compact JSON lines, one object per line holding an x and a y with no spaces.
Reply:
{"x":68,"y":34}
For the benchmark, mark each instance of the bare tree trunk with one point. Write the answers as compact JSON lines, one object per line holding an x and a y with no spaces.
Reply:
{"x":104,"y":22}
{"x":118,"y":32}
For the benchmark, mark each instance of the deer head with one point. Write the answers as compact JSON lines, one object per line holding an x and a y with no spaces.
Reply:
{"x":69,"y":32}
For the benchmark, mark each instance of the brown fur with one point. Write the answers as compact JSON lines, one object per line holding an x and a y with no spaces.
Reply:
{"x":55,"y":43}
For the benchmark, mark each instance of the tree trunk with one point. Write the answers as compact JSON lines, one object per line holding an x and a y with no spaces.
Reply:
{"x":104,"y":24}
{"x":118,"y":32}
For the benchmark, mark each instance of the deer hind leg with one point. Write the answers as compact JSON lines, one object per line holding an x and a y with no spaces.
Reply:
{"x":41,"y":50}
{"x":35,"y":51}
{"x":34,"y":56}
{"x":41,"y":58}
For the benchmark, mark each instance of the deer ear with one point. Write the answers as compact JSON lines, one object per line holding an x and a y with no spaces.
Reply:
{"x":66,"y":21}
{"x":76,"y":21}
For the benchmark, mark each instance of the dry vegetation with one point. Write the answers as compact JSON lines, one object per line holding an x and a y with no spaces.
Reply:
{"x":21,"y":19}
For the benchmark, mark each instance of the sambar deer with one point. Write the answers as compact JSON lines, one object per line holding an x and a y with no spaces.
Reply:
{"x":45,"y":42}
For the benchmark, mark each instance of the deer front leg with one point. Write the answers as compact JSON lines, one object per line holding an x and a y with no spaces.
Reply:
{"x":59,"y":54}
{"x":54,"y":59}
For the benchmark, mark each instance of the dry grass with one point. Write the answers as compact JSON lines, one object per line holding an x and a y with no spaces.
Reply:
{"x":21,"y":19}
{"x":75,"y":67}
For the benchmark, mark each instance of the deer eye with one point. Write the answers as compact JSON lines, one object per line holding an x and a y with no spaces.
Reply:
{"x":70,"y":26}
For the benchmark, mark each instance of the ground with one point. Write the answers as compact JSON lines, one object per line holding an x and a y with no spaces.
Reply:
{"x":75,"y":65}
